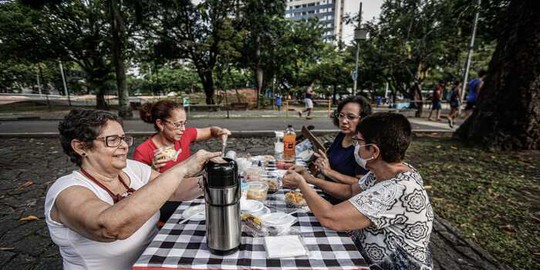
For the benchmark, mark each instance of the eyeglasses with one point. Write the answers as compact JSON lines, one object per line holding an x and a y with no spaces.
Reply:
{"x":115,"y":140}
{"x":356,"y":142}
{"x":177,"y":124}
{"x":349,"y":116}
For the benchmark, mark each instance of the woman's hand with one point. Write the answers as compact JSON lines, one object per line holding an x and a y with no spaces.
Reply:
{"x":224,"y":134}
{"x":322,"y":162}
{"x":299,"y":169}
{"x":160,"y":159}
{"x":195,"y":163}
{"x":292,"y":179}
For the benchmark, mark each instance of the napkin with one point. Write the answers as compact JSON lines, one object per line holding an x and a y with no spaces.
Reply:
{"x":284,"y":246}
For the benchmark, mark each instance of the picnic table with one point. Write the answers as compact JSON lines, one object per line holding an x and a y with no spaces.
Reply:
{"x":184,"y":245}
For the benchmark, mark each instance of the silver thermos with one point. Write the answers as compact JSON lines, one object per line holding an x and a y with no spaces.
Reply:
{"x":222,"y":199}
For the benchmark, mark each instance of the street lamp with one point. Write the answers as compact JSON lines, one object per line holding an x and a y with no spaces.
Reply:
{"x":360,"y":33}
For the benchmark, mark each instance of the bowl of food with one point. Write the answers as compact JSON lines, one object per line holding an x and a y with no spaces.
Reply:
{"x":257,"y":190}
{"x":294,"y":199}
{"x":274,"y":184}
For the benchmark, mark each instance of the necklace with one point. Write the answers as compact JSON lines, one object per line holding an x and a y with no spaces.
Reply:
{"x":116,"y":197}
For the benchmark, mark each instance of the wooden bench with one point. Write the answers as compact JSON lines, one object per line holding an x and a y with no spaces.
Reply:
{"x":205,"y":107}
{"x":240,"y":106}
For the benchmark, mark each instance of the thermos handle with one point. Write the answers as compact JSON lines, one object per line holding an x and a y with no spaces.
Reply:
{"x":207,"y":196}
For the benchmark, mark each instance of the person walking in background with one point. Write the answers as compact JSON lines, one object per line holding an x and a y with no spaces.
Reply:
{"x":454,"y":103}
{"x":436,"y":101}
{"x":308,"y":101}
{"x":278,"y":102}
{"x":475,"y":86}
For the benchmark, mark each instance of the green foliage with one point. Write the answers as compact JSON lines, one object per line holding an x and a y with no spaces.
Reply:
{"x":491,"y":197}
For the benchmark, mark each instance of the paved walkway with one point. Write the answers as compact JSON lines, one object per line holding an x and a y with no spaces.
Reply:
{"x":241,"y":123}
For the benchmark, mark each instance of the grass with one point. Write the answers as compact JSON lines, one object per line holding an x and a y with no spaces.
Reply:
{"x":493,"y":198}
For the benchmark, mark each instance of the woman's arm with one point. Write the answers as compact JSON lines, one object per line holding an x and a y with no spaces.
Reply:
{"x":337,"y":190}
{"x":323,"y":163}
{"x":187,"y":190}
{"x":82,"y":211}
{"x":340,"y":217}
{"x":204,"y":134}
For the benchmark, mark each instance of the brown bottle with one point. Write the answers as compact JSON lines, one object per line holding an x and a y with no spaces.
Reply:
{"x":289,"y":144}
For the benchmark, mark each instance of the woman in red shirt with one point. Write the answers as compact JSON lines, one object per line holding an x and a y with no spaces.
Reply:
{"x":171,"y":143}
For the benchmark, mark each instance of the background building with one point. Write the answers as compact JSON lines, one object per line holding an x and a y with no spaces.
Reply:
{"x":329,"y":12}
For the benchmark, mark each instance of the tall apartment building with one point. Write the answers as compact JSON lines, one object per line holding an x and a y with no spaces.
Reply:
{"x":329,"y":12}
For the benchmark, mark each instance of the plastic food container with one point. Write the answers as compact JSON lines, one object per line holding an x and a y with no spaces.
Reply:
{"x":279,"y":221}
{"x":257,"y":191}
{"x":274,"y":184}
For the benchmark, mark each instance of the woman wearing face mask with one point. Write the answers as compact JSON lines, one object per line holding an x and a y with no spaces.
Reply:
{"x":171,"y":144}
{"x":388,"y":211}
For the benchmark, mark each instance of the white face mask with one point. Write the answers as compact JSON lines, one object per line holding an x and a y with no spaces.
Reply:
{"x":362,"y":162}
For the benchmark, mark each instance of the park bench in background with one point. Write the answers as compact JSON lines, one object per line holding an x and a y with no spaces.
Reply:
{"x":241,"y":106}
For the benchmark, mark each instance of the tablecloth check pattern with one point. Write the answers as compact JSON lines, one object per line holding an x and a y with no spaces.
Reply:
{"x":184,"y":246}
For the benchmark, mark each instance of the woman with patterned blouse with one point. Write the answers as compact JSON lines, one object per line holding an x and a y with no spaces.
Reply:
{"x":388,"y":212}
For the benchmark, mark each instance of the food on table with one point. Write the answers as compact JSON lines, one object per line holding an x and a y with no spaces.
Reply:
{"x":252,"y":221}
{"x":273,"y":184}
{"x":257,"y":191}
{"x":294,"y":199}
{"x":283,"y":165}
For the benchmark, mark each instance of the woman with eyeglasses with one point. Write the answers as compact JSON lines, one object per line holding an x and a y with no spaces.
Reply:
{"x":337,"y":164}
{"x":171,"y":143}
{"x":103,"y":215}
{"x":387,"y":212}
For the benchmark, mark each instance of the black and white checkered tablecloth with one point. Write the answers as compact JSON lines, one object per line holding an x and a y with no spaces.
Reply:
{"x":184,"y":246}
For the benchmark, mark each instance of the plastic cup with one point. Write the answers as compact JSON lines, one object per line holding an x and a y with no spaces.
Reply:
{"x":257,"y":191}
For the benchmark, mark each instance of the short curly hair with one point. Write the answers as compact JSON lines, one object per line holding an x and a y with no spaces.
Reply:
{"x":85,"y":126}
{"x":391,"y":132}
{"x":365,"y":107}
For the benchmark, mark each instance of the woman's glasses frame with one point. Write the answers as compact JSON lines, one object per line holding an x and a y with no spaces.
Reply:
{"x":116,"y":140}
{"x":177,"y":125}
{"x":348,"y":116}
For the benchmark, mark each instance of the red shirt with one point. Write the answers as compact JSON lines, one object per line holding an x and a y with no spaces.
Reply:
{"x":145,"y":151}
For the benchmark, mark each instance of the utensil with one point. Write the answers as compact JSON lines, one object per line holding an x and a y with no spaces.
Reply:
{"x":191,"y":217}
{"x":223,"y":149}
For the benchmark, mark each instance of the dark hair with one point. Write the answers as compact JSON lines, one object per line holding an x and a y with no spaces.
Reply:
{"x":391,"y":132}
{"x":150,"y":112}
{"x":482,"y":73}
{"x":85,"y":126}
{"x":365,"y":107}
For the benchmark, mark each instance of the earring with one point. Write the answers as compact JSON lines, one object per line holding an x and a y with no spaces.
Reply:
{"x":83,"y":154}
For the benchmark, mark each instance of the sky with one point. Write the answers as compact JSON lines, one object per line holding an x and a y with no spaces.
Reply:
{"x":370,"y":9}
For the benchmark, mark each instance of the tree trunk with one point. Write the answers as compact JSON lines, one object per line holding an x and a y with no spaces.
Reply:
{"x":260,"y":76}
{"x":118,"y":31}
{"x":508,"y":112}
{"x":208,"y":85}
{"x":418,"y":101}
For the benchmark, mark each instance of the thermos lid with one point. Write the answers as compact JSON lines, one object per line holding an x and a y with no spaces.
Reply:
{"x":221,"y":175}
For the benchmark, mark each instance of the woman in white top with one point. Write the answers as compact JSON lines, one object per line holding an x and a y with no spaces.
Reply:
{"x":103,"y":215}
{"x":388,"y":212}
